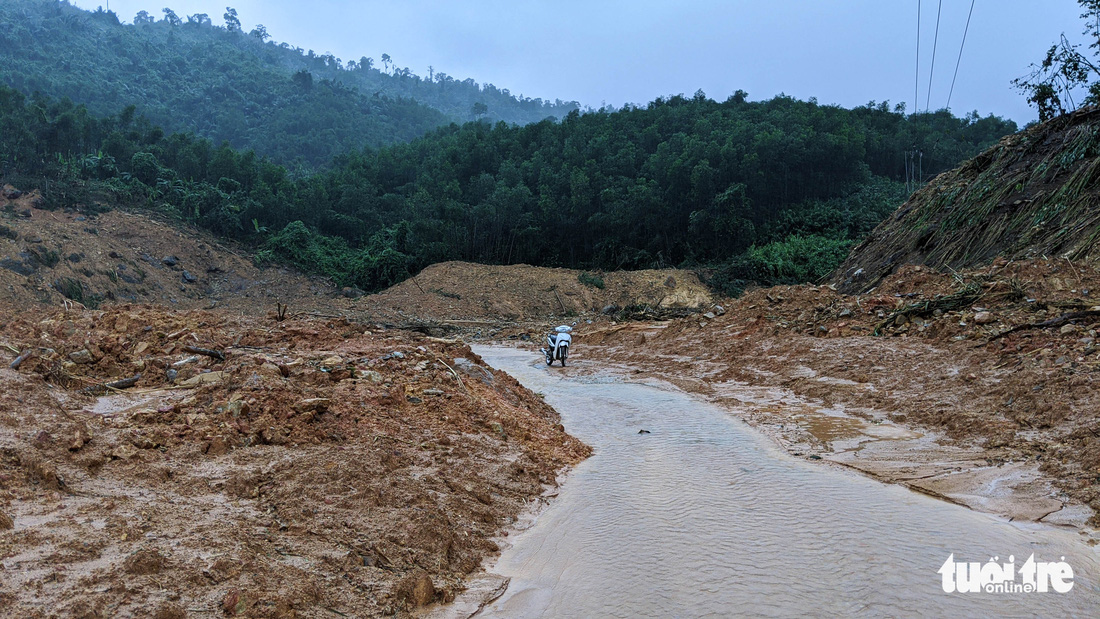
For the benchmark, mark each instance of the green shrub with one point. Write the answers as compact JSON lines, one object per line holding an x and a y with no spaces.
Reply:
{"x":589,"y":279}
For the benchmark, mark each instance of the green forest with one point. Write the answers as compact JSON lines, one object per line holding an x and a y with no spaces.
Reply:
{"x":771,"y":191}
{"x":186,"y":74}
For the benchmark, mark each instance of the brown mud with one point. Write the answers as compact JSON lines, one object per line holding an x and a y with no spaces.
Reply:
{"x":319,"y":467}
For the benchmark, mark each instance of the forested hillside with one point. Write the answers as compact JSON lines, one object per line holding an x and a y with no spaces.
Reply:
{"x":188,"y":75}
{"x":773,"y":191}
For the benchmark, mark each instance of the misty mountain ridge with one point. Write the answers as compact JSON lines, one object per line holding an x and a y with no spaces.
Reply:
{"x":186,"y":74}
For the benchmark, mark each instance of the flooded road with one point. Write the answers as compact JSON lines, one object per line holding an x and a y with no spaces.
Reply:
{"x":703,"y":516}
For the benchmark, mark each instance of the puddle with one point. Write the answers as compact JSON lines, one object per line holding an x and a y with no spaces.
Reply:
{"x":704,"y":516}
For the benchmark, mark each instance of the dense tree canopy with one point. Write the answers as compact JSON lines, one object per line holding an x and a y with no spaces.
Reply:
{"x":187,"y":74}
{"x":775,"y":190}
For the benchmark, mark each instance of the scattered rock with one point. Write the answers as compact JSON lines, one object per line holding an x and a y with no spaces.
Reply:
{"x":643,"y":432}
{"x":416,"y":590}
{"x":332,"y":362}
{"x":188,"y":278}
{"x":720,"y":310}
{"x":670,"y":282}
{"x":609,"y":309}
{"x":313,"y":405}
{"x":170,"y":261}
{"x":6,"y":522}
{"x":984,"y":318}
{"x":81,"y":356}
{"x":209,"y":378}
{"x":433,"y":392}
{"x":13,"y":194}
{"x":1067,"y":329}
{"x":351,"y":293}
{"x":844,"y":313}
{"x":709,"y":315}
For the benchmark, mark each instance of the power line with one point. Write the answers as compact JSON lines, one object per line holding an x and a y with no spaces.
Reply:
{"x":932,"y":68}
{"x":916,"y":74}
{"x":957,"y":62}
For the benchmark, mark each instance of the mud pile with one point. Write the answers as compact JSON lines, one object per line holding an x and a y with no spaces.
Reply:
{"x":254,"y":467}
{"x":1003,"y":358}
{"x":50,"y":256}
{"x":1032,"y":195}
{"x":465,"y":291}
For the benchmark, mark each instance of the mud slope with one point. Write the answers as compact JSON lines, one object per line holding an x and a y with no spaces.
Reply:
{"x":310,"y":468}
{"x":1034,"y":194}
{"x":461,"y":290}
{"x":117,"y":257}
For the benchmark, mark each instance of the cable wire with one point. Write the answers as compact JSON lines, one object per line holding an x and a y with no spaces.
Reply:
{"x":916,"y":74}
{"x":932,"y":68}
{"x":957,"y":62}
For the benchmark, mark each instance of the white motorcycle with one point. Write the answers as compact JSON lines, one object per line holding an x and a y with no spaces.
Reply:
{"x":557,"y":345}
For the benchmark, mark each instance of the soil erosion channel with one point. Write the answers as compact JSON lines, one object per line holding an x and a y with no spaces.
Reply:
{"x":703,"y":516}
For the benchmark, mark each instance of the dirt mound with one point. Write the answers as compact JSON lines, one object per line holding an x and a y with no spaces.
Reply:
{"x":1003,"y":358}
{"x":1034,"y":194}
{"x":47,"y":257}
{"x":243,"y":466}
{"x":465,"y":291}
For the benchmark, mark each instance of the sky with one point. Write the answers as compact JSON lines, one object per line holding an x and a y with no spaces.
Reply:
{"x":845,"y":52}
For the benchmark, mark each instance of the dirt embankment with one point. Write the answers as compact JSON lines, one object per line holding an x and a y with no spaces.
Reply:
{"x":48,"y":256}
{"x":257,"y":468}
{"x":998,"y":366}
{"x":1032,"y":195}
{"x":457,"y":291}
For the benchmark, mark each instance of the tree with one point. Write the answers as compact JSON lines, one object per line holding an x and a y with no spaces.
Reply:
{"x":386,"y":61}
{"x":1065,"y":70}
{"x":199,"y":19}
{"x":366,"y":63}
{"x":171,"y":17}
{"x":479,"y":109}
{"x":232,"y":22}
{"x":260,"y":32}
{"x":143,"y":17}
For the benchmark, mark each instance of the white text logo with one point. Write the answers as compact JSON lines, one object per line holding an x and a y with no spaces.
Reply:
{"x":994,"y":577}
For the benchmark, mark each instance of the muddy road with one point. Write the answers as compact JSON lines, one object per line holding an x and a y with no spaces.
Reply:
{"x":684,"y":510}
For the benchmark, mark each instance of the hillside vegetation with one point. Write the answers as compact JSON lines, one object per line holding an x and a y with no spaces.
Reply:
{"x":188,"y":75}
{"x":1034,"y":194}
{"x":774,"y":191}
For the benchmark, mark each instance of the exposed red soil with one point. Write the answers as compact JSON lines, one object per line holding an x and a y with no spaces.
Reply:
{"x":321,"y":466}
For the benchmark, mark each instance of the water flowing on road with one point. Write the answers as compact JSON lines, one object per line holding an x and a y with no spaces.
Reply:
{"x":702,"y":516}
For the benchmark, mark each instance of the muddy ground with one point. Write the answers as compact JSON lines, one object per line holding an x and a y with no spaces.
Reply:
{"x":978,"y":387}
{"x":303,"y":468}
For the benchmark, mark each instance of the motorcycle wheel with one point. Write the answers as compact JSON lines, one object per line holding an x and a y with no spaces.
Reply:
{"x":564,"y":354}
{"x":549,"y":359}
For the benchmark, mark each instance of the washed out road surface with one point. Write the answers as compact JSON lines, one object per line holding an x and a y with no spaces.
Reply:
{"x":703,"y":516}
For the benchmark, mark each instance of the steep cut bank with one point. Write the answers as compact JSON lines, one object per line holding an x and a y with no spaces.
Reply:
{"x":1034,"y":194}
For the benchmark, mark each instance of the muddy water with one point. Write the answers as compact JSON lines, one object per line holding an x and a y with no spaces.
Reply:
{"x":704,"y":517}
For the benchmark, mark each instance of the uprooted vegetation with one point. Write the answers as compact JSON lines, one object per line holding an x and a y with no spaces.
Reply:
{"x":1032,"y":195}
{"x":255,"y":468}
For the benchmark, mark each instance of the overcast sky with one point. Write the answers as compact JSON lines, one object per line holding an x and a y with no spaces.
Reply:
{"x":846,"y":52}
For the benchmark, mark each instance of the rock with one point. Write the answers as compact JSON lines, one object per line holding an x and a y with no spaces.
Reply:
{"x":1067,"y":329}
{"x":670,"y":282}
{"x":844,"y":313}
{"x":710,"y":315}
{"x":393,"y":355}
{"x":609,"y":309}
{"x":313,"y":404}
{"x":170,"y":261}
{"x":209,"y":378}
{"x":433,"y":392}
{"x":499,"y":429}
{"x":643,"y":432}
{"x":172,"y":374}
{"x":984,"y":318}
{"x":236,"y":408}
{"x":351,"y":293}
{"x":372,"y":376}
{"x":474,"y":370}
{"x":124,"y":451}
{"x":13,"y":194}
{"x":81,"y":356}
{"x":34,"y":238}
{"x":332,"y":362}
{"x":718,"y":309}
{"x":6,"y":522}
{"x":188,"y":278}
